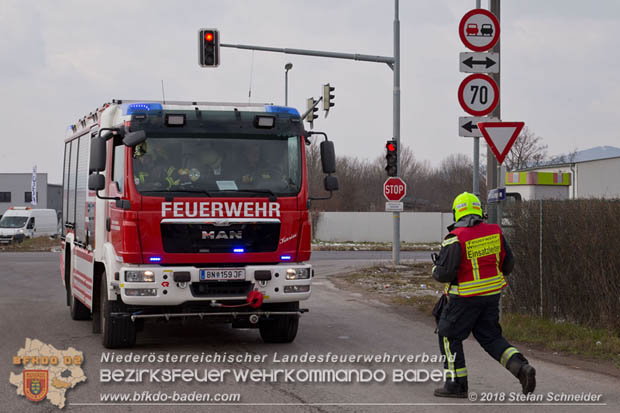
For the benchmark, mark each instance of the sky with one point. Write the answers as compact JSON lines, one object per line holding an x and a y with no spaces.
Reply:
{"x":62,"y":59}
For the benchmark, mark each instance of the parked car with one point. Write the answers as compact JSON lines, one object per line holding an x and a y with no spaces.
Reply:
{"x":19,"y":223}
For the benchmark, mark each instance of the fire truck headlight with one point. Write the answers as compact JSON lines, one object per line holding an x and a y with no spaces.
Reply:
{"x":139,"y":276}
{"x":141,"y":292}
{"x":298,"y":273}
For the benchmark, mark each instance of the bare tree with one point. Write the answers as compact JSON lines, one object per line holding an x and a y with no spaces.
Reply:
{"x":527,"y":151}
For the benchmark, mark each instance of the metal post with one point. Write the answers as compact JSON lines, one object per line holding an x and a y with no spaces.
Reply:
{"x":540,"y":255}
{"x":492,"y":172}
{"x":396,"y":127}
{"x":476,"y":183}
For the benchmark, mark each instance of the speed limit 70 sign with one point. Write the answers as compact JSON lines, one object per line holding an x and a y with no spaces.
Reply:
{"x":478,"y":94}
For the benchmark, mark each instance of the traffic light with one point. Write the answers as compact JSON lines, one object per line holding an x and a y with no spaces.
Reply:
{"x":312,"y":112}
{"x":208,"y":48}
{"x":391,"y":158}
{"x":328,"y":98}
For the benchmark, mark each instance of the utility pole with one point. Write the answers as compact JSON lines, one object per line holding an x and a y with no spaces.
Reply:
{"x":492,"y":166}
{"x":393,"y":63}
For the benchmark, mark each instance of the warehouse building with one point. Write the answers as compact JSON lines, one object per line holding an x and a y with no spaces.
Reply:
{"x":15,"y":190}
{"x":590,"y":173}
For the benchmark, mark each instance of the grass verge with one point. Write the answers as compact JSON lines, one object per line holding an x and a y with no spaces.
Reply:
{"x":565,"y":337}
{"x":34,"y":244}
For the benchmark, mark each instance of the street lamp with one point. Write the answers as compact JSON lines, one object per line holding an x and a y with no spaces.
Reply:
{"x":287,"y":67}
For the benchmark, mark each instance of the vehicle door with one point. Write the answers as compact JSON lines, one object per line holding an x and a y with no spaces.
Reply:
{"x":30,"y":231}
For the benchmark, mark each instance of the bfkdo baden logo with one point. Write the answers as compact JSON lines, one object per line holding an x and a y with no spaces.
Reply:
{"x":47,"y":372}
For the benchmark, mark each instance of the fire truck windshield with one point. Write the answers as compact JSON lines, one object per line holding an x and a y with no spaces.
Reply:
{"x":213,"y":164}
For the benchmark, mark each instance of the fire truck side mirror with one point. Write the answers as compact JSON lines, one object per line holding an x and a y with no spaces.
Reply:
{"x":97,"y":155}
{"x":133,"y":139}
{"x":96,"y":182}
{"x":331,"y":183}
{"x":328,"y":157}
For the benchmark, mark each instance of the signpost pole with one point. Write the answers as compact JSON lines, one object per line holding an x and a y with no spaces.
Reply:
{"x":492,"y":171}
{"x":396,"y":130}
{"x":476,"y":183}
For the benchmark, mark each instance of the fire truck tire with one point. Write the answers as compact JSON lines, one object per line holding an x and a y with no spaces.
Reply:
{"x":279,"y":329}
{"x":78,"y":310}
{"x":116,"y":332}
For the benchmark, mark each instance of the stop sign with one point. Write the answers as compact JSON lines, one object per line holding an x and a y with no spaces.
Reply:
{"x":394,"y":189}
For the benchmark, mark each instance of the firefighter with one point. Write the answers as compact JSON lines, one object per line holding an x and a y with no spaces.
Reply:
{"x":148,"y":174}
{"x":473,"y":259}
{"x":257,"y":169}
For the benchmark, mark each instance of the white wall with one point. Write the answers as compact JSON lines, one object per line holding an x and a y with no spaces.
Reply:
{"x":599,"y":179}
{"x":377,"y":226}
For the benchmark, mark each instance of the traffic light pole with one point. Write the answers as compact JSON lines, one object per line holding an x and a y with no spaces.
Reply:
{"x":392,"y":62}
{"x":396,"y":129}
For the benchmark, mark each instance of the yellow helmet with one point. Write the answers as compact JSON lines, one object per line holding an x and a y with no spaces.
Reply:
{"x":466,"y":204}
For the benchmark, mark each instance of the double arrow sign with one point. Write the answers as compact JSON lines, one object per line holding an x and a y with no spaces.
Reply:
{"x":479,"y":62}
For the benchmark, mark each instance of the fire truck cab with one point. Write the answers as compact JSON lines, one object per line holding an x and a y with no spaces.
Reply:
{"x":188,"y":209}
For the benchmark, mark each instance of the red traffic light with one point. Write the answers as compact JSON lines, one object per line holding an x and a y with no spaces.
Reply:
{"x":209,"y":36}
{"x":390,"y":147}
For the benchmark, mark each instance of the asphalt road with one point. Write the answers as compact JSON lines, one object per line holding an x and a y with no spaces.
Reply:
{"x":339,"y":322}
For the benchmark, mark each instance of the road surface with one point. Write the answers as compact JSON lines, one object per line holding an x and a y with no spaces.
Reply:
{"x":339,"y":322}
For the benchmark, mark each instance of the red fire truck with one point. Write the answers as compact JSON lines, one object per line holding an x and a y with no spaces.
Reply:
{"x":188,"y":209}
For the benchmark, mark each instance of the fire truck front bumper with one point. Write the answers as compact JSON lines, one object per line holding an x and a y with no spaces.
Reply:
{"x":160,"y":285}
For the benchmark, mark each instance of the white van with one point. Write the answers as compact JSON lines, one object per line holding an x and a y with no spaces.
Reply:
{"x":19,"y":223}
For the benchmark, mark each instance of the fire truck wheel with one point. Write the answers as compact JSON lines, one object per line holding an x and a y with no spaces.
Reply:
{"x":78,"y":310}
{"x":117,"y":332}
{"x":279,"y":329}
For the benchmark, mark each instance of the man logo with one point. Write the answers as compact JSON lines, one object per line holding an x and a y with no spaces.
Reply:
{"x":35,"y":384}
{"x":222,"y":235}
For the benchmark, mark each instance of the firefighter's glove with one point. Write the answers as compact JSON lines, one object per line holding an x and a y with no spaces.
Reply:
{"x":434,"y":257}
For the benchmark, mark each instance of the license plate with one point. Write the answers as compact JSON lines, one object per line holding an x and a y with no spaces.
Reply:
{"x":222,"y":274}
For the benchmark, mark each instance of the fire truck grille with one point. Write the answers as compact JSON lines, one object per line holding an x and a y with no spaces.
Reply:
{"x":221,"y":288}
{"x":208,"y":238}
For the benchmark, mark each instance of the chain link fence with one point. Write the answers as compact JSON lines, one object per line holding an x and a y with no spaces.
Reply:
{"x":567,"y":260}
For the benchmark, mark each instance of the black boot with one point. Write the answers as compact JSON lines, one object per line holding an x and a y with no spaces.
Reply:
{"x":453,"y":388}
{"x":521,"y":369}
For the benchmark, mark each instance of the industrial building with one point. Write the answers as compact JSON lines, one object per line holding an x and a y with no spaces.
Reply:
{"x":15,"y":190}
{"x":590,"y":173}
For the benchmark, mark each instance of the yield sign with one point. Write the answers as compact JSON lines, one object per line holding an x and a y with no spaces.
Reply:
{"x":500,"y":136}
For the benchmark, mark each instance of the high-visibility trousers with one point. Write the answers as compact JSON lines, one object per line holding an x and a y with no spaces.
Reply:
{"x":464,"y":315}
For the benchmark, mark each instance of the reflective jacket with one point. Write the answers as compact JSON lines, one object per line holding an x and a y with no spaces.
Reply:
{"x":473,"y":258}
